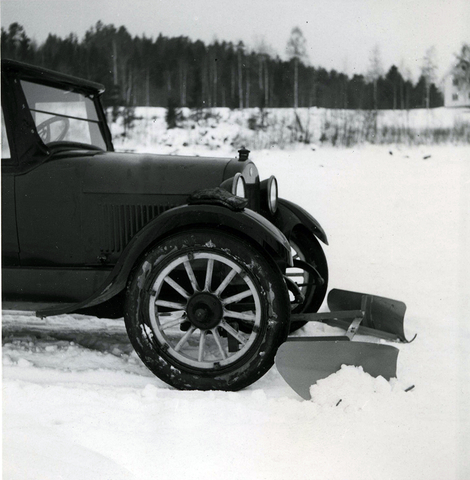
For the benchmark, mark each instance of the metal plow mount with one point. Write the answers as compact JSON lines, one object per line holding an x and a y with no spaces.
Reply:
{"x":303,"y":361}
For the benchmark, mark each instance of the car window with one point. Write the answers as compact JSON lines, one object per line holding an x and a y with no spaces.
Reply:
{"x":6,"y":155}
{"x":63,"y":115}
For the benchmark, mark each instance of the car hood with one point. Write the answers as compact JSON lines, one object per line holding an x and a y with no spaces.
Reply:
{"x":113,"y":172}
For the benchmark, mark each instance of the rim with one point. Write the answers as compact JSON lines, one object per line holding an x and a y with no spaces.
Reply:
{"x":196,"y":304}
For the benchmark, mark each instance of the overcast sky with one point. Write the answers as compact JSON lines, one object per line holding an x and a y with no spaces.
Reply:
{"x":340,"y":34}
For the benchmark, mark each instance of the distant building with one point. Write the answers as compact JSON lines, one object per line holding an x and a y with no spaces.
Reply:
{"x":456,"y":92}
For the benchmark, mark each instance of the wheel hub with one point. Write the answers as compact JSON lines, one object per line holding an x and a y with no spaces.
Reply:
{"x":204,"y":311}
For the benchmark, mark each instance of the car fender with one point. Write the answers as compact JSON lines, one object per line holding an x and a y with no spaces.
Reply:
{"x":246,"y":223}
{"x":289,"y":215}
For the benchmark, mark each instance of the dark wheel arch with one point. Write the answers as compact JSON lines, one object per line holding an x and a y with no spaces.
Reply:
{"x":290,"y":215}
{"x":251,"y":225}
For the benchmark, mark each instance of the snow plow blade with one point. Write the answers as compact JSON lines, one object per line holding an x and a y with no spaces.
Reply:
{"x":382,"y":314}
{"x":305,"y":360}
{"x":302,"y":361}
{"x":380,"y":317}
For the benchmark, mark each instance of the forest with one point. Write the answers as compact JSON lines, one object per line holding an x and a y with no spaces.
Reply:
{"x":180,"y":72}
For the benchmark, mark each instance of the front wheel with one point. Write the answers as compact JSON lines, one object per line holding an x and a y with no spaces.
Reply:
{"x":206,"y":310}
{"x":310,"y":273}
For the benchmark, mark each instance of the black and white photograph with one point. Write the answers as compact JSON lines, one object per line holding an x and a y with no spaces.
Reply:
{"x":235,"y":239}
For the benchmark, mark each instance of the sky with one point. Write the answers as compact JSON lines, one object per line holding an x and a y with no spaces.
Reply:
{"x":340,"y":34}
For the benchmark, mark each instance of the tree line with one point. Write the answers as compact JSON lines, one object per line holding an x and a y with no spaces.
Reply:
{"x":179,"y":72}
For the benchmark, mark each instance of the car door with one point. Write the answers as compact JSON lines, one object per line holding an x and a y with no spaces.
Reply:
{"x":48,"y":195}
{"x":49,"y":214}
{"x":10,"y":246}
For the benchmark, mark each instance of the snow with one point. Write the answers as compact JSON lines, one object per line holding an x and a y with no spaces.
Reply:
{"x":79,"y":404}
{"x":222,"y":131}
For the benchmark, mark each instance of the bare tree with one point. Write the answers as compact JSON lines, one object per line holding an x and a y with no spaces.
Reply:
{"x":264,"y":52}
{"x":115,"y":68}
{"x":183,"y":80}
{"x":406,"y":81}
{"x":375,"y":72}
{"x":240,"y":49}
{"x":428,"y":71}
{"x":147,"y":87}
{"x":247,"y":82}
{"x":215,"y":81}
{"x":296,"y":50}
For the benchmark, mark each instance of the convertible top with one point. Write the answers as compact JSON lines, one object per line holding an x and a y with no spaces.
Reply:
{"x":23,"y":136}
{"x":49,"y":77}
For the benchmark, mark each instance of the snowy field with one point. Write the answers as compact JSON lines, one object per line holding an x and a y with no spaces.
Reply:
{"x":78,"y":404}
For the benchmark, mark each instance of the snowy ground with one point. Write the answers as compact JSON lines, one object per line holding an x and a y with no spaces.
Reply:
{"x":78,"y":404}
{"x":222,"y":129}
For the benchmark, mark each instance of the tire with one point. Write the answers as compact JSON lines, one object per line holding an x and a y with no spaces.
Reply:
{"x":306,"y":248}
{"x":183,"y":304}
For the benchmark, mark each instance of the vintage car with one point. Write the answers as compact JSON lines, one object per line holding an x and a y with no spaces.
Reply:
{"x":201,"y":258}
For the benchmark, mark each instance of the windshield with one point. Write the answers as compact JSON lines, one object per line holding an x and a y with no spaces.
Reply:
{"x":63,"y":116}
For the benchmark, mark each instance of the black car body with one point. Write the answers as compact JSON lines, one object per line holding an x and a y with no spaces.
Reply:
{"x":80,"y":222}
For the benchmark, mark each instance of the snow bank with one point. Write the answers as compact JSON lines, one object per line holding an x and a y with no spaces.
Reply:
{"x":223,"y":131}
{"x":352,"y":389}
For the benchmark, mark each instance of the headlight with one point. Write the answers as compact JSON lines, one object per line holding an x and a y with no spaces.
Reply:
{"x":235,"y":185}
{"x":239,"y":186}
{"x":269,"y":194}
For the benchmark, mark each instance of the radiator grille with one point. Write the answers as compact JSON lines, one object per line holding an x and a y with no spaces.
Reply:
{"x":121,"y":222}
